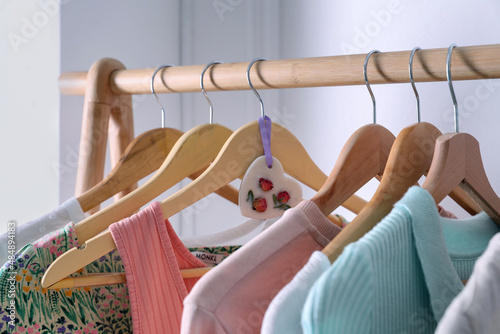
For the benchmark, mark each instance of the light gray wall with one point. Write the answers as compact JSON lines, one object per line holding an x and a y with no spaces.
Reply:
{"x":139,"y":34}
{"x":29,"y":106}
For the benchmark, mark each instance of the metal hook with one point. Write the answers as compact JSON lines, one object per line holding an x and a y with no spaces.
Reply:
{"x":413,"y":82}
{"x":251,"y":86}
{"x":450,"y":84}
{"x":368,"y":85}
{"x":156,"y":96}
{"x":203,"y":89}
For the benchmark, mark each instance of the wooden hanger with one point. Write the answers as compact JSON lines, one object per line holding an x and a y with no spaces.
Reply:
{"x":156,"y":147}
{"x":242,"y":147}
{"x":97,"y":279}
{"x":197,"y":147}
{"x":364,"y":156}
{"x":193,"y":151}
{"x":232,"y":164}
{"x":143,"y":156}
{"x":409,"y":159}
{"x":457,"y":161}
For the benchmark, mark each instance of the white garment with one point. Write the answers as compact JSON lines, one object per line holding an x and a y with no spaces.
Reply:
{"x":237,"y":235}
{"x":284,"y":312}
{"x":69,"y":211}
{"x":476,"y":309}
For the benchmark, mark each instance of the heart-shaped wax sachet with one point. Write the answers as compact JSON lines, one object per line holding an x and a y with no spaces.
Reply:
{"x":266,"y":192}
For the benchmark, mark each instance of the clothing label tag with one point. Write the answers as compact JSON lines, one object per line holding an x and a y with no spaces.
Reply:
{"x":209,"y":258}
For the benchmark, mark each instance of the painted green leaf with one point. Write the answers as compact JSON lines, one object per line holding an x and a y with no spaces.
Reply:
{"x":250,"y":196}
{"x":69,"y":313}
{"x":275,"y":200}
{"x":283,"y":207}
{"x":82,"y":313}
{"x":31,"y":314}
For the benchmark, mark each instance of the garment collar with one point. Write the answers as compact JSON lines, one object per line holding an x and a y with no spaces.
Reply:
{"x":432,"y":244}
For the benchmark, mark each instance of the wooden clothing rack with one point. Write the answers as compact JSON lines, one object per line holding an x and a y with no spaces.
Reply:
{"x":107,"y":87}
{"x":103,"y":112}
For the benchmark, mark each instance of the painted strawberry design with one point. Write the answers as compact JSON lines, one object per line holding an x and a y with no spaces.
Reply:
{"x":265,"y":185}
{"x":283,"y":197}
{"x":259,"y":204}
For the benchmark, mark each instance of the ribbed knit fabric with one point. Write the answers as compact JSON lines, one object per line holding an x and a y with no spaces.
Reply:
{"x":283,"y":314}
{"x":476,"y":309}
{"x":152,"y":256}
{"x":399,"y":277}
{"x":233,"y":297}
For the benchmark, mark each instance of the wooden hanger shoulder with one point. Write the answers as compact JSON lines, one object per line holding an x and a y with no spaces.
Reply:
{"x":194,"y":150}
{"x":243,"y":147}
{"x":144,"y":155}
{"x":236,"y":155}
{"x":409,"y":159}
{"x":197,"y":147}
{"x":457,"y":161}
{"x":363,"y":157}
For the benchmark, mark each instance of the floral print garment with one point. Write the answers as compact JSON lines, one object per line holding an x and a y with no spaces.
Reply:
{"x":85,"y":310}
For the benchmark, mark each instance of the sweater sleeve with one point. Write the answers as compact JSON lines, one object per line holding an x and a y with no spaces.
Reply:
{"x":341,"y":300}
{"x":197,"y":320}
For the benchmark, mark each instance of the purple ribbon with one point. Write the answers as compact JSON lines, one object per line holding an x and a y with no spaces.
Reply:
{"x":265,"y":133}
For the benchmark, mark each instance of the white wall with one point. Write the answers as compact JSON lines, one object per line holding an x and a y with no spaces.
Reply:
{"x":29,"y":128}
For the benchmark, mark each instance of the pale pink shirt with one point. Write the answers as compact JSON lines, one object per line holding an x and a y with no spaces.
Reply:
{"x":153,"y":256}
{"x":233,"y":297}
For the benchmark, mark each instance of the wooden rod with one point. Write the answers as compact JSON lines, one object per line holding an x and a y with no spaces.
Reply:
{"x":468,"y":63}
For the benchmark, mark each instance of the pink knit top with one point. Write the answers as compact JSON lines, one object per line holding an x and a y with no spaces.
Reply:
{"x":153,"y":256}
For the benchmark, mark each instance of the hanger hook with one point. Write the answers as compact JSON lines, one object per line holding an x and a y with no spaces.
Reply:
{"x":368,"y":84}
{"x":251,"y":86}
{"x":156,"y":96}
{"x":413,"y":82}
{"x":205,"y":92}
{"x":450,"y":84}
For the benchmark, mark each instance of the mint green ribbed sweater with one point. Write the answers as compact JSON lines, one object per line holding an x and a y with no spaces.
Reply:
{"x":402,"y":275}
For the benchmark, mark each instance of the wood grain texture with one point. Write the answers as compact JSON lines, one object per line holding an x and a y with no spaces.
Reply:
{"x":121,"y":133}
{"x":240,"y":150}
{"x":100,"y":103}
{"x":197,"y":147}
{"x":143,"y":156}
{"x":362,"y":158}
{"x":410,"y":158}
{"x":193,"y":151}
{"x":113,"y":278}
{"x":468,"y":63}
{"x":457,"y":161}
